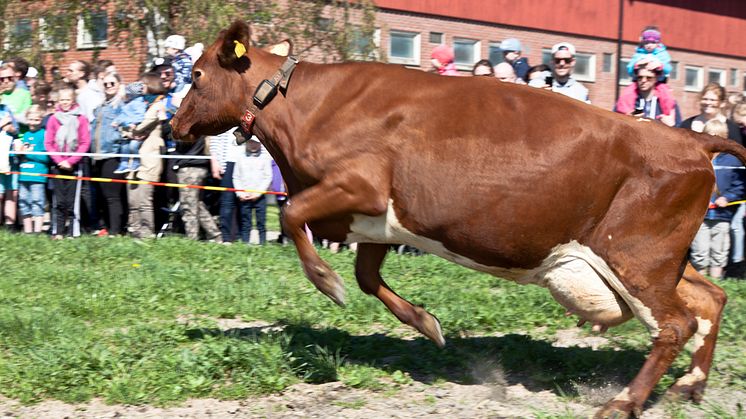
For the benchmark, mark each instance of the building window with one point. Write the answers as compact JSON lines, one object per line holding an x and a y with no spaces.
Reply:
{"x":624,"y":77}
{"x":93,"y":30}
{"x":19,"y":35}
{"x":694,"y":77}
{"x":674,"y":74}
{"x":54,"y":33}
{"x":608,"y":59}
{"x":362,"y":47}
{"x":716,"y":75}
{"x":734,"y":77}
{"x":404,"y":47}
{"x":466,"y":52}
{"x":437,"y":38}
{"x":495,"y":53}
{"x":585,"y":65}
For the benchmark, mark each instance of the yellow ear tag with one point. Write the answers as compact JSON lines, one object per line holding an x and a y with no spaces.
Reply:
{"x":240,"y":49}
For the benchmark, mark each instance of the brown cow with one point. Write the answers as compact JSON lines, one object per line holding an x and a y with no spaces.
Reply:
{"x":522,"y":183}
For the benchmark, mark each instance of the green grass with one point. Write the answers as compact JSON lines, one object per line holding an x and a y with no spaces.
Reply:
{"x":135,"y":322}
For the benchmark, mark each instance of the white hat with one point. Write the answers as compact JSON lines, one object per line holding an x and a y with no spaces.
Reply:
{"x":175,"y":41}
{"x":32,"y":72}
{"x":564,"y":45}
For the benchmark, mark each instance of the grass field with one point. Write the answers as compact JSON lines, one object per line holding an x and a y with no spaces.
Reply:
{"x":136,"y":322}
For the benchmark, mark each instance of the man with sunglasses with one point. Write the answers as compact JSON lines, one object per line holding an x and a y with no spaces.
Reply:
{"x":563,"y":63}
{"x":644,"y":100}
{"x":16,"y":99}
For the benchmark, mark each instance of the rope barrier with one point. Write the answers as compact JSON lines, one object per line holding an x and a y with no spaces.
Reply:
{"x":108,"y":155}
{"x":145,"y":182}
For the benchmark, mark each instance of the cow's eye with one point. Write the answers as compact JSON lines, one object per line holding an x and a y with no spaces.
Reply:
{"x":197,"y":74}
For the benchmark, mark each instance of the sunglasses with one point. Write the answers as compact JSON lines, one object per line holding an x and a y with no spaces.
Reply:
{"x":110,"y":84}
{"x":563,"y":60}
{"x":643,"y":78}
{"x":6,"y":79}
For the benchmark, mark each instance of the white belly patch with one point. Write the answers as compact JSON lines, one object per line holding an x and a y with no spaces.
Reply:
{"x":576,"y":277}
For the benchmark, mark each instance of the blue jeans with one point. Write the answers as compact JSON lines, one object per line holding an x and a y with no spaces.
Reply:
{"x":133,"y":147}
{"x":260,"y":207}
{"x":737,"y":234}
{"x":31,"y":199}
{"x":228,"y":203}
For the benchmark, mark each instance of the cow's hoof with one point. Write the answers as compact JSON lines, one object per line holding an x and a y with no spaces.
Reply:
{"x":429,"y":325}
{"x":328,"y":282}
{"x":617,"y":409}
{"x":687,"y":392}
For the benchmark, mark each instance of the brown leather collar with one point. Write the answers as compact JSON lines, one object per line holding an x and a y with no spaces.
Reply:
{"x":263,"y":94}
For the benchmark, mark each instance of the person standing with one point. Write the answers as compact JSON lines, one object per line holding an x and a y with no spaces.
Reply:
{"x":712,"y":102}
{"x":709,"y":250}
{"x":67,"y":131}
{"x":106,"y":139}
{"x":31,"y":199}
{"x":194,"y":172}
{"x":442,"y":59}
{"x":225,"y":151}
{"x":253,"y":173}
{"x":563,"y":64}
{"x":17,"y":100}
{"x":645,"y":100}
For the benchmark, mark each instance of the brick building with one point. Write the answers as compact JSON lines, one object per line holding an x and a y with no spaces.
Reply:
{"x":703,"y":37}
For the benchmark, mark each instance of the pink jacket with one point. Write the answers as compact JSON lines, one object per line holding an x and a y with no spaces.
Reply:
{"x":628,"y":97}
{"x":448,"y":70}
{"x":84,"y":139}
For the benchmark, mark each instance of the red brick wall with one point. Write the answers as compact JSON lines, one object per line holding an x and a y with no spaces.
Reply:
{"x":602,"y":90}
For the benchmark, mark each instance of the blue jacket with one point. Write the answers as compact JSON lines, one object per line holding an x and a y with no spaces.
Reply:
{"x":182,"y":64}
{"x":659,"y":54}
{"x":521,"y":67}
{"x":34,"y":163}
{"x":104,"y":137}
{"x":132,"y":113}
{"x":730,"y":184}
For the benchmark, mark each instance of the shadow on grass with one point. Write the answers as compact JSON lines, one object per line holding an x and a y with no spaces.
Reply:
{"x":504,"y":360}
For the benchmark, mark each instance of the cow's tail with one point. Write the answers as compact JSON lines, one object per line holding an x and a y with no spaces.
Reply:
{"x":714,"y":144}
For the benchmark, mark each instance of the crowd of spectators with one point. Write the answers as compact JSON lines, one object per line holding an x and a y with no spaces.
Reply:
{"x":87,"y":122}
{"x":720,"y":241}
{"x":89,"y":108}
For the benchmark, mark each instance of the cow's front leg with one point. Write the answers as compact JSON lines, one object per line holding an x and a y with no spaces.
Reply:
{"x":337,"y":198}
{"x":367,"y":270}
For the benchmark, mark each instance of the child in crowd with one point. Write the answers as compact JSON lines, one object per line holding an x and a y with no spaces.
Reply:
{"x":442,"y":59}
{"x":32,"y":188}
{"x":651,"y":47}
{"x":712,"y":242}
{"x":181,"y":61}
{"x":132,"y":113}
{"x":253,"y":172}
{"x":67,"y":130}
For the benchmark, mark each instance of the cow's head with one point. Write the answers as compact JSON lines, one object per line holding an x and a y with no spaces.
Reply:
{"x":221,"y":86}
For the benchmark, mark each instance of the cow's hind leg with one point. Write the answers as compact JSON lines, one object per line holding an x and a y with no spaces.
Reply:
{"x":707,"y":301}
{"x":334,"y":197}
{"x":367,"y":271}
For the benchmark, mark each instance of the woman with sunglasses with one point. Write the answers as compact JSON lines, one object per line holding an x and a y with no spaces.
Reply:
{"x":106,"y":139}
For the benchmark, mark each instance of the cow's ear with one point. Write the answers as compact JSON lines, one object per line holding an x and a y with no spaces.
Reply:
{"x":236,"y":40}
{"x":282,"y":49}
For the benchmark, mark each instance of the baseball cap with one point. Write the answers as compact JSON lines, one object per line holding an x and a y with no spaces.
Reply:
{"x":511,"y":44}
{"x":160,"y":62}
{"x":563,"y":46}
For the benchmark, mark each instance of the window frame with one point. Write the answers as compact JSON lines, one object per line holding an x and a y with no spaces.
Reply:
{"x":84,"y":36}
{"x":625,"y":79}
{"x":416,"y":48}
{"x":12,"y":30}
{"x":476,"y":50}
{"x":46,"y":44}
{"x":722,"y":72}
{"x":700,"y":78}
{"x":496,"y":46}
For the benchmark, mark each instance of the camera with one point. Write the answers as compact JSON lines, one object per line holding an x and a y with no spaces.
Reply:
{"x":548,"y":80}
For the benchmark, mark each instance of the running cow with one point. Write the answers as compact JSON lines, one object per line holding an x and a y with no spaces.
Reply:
{"x":521,"y":183}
